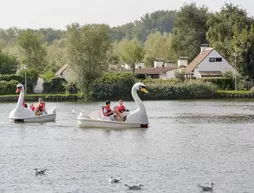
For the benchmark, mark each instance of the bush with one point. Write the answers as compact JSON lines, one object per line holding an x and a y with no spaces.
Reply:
{"x":54,"y":85}
{"x":71,"y":88}
{"x":32,"y":77}
{"x":9,"y":77}
{"x":180,"y":90}
{"x":113,"y":89}
{"x":8,"y":87}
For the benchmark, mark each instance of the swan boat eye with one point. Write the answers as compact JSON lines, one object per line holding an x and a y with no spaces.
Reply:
{"x":140,"y":87}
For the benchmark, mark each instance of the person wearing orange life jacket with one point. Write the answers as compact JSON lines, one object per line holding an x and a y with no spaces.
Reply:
{"x":121,"y":108}
{"x":106,"y":110}
{"x":40,"y":107}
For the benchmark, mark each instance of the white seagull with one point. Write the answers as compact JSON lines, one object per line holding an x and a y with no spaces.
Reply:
{"x":114,"y":180}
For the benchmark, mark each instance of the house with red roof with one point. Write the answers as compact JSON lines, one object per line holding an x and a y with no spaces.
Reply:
{"x":208,"y":63}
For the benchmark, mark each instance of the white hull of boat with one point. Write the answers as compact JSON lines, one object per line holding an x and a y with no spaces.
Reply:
{"x":36,"y":119}
{"x":92,"y":123}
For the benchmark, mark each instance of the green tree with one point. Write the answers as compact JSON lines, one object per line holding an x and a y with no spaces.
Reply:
{"x":133,"y":53}
{"x":87,"y":52}
{"x":221,"y":27}
{"x":243,"y":46}
{"x":231,"y":31}
{"x":8,"y":64}
{"x":57,"y":54}
{"x":33,"y":50}
{"x":190,"y":30}
{"x":158,"y":45}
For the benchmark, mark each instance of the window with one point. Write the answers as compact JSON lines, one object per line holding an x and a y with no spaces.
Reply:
{"x":218,"y":59}
{"x":215,"y":59}
{"x":211,"y":59}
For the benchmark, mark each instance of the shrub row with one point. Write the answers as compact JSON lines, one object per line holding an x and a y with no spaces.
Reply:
{"x":7,"y":87}
{"x":157,"y":91}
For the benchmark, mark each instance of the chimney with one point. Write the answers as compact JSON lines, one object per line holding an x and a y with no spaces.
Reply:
{"x":182,"y":61}
{"x":203,"y":47}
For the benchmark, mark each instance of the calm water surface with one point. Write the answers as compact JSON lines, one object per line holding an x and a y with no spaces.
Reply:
{"x":187,"y":143}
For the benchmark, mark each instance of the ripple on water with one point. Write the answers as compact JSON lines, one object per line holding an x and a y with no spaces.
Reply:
{"x":188,"y":142}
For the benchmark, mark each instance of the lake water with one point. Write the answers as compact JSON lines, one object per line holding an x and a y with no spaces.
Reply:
{"x":187,"y":143}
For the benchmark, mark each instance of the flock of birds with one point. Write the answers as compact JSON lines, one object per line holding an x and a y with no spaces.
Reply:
{"x":133,"y":187}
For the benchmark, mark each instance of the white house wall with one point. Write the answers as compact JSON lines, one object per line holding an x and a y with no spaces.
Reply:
{"x":222,"y":66}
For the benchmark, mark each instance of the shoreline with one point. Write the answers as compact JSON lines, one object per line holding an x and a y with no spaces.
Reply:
{"x":219,"y":95}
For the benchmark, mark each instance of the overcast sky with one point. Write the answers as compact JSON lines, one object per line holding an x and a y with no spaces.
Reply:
{"x":59,"y":13}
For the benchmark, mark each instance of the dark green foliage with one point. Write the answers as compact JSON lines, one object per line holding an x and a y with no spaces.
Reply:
{"x":71,"y":88}
{"x":54,"y":85}
{"x":8,"y":63}
{"x":8,"y":77}
{"x":222,"y":83}
{"x":8,"y":87}
{"x":190,"y":90}
{"x":117,"y":86}
{"x":113,"y":87}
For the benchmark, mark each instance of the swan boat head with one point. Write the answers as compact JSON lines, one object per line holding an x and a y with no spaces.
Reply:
{"x":21,"y":112}
{"x":139,"y":115}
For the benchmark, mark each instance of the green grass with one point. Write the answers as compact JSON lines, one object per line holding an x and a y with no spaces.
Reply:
{"x":233,"y":92}
{"x":41,"y":95}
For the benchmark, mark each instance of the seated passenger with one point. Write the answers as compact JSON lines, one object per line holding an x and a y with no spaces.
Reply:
{"x":32,"y":107}
{"x":40,"y":108}
{"x":121,"y":108}
{"x":107,"y":111}
{"x":24,"y":104}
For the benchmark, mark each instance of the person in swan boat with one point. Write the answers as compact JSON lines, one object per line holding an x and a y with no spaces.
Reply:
{"x":121,"y":108}
{"x":113,"y":115}
{"x":40,"y":108}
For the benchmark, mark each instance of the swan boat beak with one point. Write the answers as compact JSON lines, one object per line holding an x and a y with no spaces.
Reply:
{"x":144,"y":90}
{"x":18,"y":90}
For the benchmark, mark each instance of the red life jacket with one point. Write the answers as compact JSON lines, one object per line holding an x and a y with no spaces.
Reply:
{"x":32,"y":107}
{"x":108,"y":110}
{"x":41,"y":107}
{"x":24,"y":104}
{"x":121,"y":109}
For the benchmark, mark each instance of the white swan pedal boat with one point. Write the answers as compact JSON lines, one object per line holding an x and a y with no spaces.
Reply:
{"x":135,"y":119}
{"x":26,"y":115}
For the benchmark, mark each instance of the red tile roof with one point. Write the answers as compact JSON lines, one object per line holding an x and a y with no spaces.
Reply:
{"x":198,"y":60}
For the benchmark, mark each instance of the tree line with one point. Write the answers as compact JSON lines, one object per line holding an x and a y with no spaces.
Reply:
{"x":90,"y":49}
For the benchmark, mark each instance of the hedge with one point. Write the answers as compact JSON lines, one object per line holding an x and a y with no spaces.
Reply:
{"x":7,"y":87}
{"x":54,"y":85}
{"x":171,"y":90}
{"x":9,"y":77}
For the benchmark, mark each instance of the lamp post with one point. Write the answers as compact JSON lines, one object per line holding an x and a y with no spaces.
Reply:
{"x":235,"y":55}
{"x":25,"y":68}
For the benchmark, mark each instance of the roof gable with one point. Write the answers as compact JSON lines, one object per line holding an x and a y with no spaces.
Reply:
{"x":198,"y":60}
{"x":61,"y":70}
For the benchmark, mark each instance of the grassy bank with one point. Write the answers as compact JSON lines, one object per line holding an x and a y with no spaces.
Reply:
{"x":156,"y":92}
{"x":46,"y":97}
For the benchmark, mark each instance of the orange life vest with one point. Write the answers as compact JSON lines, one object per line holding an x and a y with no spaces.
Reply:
{"x":108,"y":111}
{"x":41,"y":106}
{"x":121,"y":109}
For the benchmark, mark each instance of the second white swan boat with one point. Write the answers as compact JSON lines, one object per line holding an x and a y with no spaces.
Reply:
{"x":25,"y":115}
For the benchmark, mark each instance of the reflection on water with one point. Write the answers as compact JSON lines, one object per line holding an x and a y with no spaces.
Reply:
{"x":188,"y":142}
